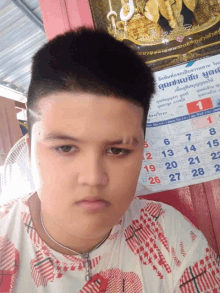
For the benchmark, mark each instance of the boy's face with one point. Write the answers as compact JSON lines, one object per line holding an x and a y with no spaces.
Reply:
{"x":67,"y":171}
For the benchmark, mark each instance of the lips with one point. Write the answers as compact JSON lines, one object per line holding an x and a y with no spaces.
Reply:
{"x":93,"y":204}
{"x":92,"y":199}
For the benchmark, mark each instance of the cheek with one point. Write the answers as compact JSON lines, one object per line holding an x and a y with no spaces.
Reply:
{"x":125,"y":176}
{"x":46,"y":170}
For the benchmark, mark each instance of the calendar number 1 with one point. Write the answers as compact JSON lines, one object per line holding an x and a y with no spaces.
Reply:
{"x":199,"y":104}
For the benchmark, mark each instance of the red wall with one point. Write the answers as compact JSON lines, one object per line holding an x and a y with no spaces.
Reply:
{"x":60,"y":16}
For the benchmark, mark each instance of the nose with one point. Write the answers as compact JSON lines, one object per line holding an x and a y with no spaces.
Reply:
{"x":92,"y":171}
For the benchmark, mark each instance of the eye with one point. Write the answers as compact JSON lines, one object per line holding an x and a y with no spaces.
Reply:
{"x":113,"y":151}
{"x":120,"y":152}
{"x":65,"y":148}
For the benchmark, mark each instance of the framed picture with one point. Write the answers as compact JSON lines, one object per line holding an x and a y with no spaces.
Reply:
{"x":164,"y":32}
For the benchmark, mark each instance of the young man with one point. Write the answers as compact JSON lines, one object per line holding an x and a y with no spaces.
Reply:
{"x":83,"y":230}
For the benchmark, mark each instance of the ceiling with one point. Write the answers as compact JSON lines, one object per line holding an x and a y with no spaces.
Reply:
{"x":21,"y":35}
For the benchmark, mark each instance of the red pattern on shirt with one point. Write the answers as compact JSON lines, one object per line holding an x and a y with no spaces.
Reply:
{"x":42,"y":269}
{"x":203,"y":275}
{"x":46,"y":267}
{"x":175,"y":258}
{"x":113,"y":281}
{"x":141,"y":235}
{"x":113,"y":236}
{"x":9,"y":265}
{"x":182,"y":251}
{"x":35,"y":238}
{"x":193,"y":235}
{"x":50,"y":267}
{"x":5,"y":208}
{"x":76,"y":260}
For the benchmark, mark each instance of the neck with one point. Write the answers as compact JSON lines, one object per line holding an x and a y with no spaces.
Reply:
{"x":78,"y":245}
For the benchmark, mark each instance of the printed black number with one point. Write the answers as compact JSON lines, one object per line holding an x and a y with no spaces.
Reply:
{"x":192,"y":161}
{"x":198,"y":172}
{"x":166,"y":141}
{"x":215,"y":156}
{"x":217,"y":168}
{"x":171,"y":165}
{"x":174,"y":177}
{"x":170,"y":153}
{"x":215,"y":142}
{"x":191,"y":148}
{"x":212,"y":131}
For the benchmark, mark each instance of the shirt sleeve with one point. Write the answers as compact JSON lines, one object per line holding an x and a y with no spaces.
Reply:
{"x":195,"y":265}
{"x":201,"y":272}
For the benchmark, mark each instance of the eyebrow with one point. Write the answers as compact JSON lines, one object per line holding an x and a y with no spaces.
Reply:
{"x":57,"y":136}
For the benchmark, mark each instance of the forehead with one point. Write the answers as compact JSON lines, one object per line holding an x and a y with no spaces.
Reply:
{"x":79,"y":100}
{"x":87,"y":114}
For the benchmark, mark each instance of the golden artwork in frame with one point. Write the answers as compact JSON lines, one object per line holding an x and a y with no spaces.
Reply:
{"x":164,"y":32}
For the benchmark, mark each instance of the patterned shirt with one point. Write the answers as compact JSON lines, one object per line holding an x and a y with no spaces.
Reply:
{"x":153,"y":248}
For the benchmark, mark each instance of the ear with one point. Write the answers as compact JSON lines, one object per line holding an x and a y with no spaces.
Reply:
{"x":28,"y":143}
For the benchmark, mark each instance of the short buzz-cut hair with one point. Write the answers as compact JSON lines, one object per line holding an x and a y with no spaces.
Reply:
{"x":89,"y":61}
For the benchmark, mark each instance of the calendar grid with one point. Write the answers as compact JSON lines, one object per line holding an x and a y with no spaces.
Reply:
{"x":183,"y":129}
{"x":171,"y":155}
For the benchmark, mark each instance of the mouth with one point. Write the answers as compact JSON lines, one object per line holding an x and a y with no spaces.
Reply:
{"x":93,"y":204}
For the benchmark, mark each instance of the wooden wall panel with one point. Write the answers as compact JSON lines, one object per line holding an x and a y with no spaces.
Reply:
{"x":60,"y":16}
{"x":212,"y":189}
